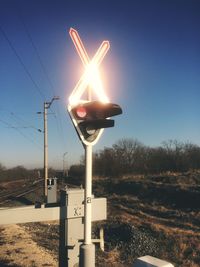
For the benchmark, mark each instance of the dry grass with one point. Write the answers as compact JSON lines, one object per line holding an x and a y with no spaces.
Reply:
{"x":167,"y":205}
{"x":161,"y":210}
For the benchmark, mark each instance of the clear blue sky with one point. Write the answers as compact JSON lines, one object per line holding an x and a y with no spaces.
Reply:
{"x":152,"y":70}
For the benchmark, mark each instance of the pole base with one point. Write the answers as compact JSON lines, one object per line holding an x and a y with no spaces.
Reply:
{"x":87,"y":255}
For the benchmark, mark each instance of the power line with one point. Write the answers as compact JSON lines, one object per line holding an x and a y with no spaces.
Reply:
{"x":17,"y":129}
{"x":21,"y":62}
{"x":37,"y":53}
{"x":20,"y":121}
{"x":60,"y":131}
{"x":28,"y":72}
{"x":58,"y":119}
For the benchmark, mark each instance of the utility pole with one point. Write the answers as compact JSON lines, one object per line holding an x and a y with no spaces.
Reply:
{"x":47,"y":105}
{"x":65,"y":171}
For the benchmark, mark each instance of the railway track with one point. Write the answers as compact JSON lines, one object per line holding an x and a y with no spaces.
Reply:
{"x":9,"y":196}
{"x":14,"y":194}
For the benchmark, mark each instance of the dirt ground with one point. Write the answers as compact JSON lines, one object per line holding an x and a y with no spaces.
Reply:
{"x":18,"y":249}
{"x":157,"y":216}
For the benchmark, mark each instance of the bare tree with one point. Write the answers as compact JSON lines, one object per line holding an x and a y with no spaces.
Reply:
{"x":130,"y":154}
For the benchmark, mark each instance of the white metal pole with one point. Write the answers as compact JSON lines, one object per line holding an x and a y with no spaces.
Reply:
{"x":64,"y":165}
{"x":88,"y":195}
{"x":89,"y":93}
{"x":45,"y":151}
{"x":46,"y":106}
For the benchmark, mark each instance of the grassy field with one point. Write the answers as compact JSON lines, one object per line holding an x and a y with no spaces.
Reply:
{"x":157,"y":215}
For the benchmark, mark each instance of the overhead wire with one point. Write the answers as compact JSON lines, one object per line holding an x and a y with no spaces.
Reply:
{"x":21,"y":133}
{"x":36,"y":51}
{"x":21,"y":122}
{"x":59,"y":125}
{"x":33,"y":81}
{"x":22,"y":63}
{"x":58,"y":121}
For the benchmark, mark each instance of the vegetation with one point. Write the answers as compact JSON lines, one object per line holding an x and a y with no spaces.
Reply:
{"x":125,"y":157}
{"x":21,"y":173}
{"x":153,"y":197}
{"x":129,"y":156}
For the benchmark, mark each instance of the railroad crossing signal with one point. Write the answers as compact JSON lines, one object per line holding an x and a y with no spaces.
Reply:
{"x":90,"y":117}
{"x":91,"y":75}
{"x":101,"y":52}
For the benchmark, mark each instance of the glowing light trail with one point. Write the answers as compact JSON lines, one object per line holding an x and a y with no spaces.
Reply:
{"x":79,"y":46}
{"x":91,"y":74}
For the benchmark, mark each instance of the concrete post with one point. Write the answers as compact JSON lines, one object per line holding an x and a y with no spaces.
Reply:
{"x":45,"y":151}
{"x":87,"y":255}
{"x":71,"y":230}
{"x":87,"y":252}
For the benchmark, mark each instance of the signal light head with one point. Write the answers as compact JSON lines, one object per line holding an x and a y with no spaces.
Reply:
{"x":81,"y":112}
{"x":91,"y":118}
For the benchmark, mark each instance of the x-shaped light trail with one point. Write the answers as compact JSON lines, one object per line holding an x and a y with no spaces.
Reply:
{"x":91,"y":74}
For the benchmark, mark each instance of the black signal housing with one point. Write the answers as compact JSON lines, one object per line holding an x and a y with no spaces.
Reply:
{"x":89,"y":118}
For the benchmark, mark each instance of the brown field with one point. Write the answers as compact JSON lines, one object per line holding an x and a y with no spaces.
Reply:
{"x":161,"y":215}
{"x":155,"y":215}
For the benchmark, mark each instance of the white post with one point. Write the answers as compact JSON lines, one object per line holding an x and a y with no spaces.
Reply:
{"x":65,"y":171}
{"x":46,"y":106}
{"x":87,"y":250}
{"x":88,"y":194}
{"x":45,"y":150}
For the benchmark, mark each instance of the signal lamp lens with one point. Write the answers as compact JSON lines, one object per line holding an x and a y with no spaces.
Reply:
{"x":81,"y":112}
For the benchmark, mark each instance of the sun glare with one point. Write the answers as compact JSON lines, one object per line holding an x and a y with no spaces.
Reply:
{"x":92,"y":78}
